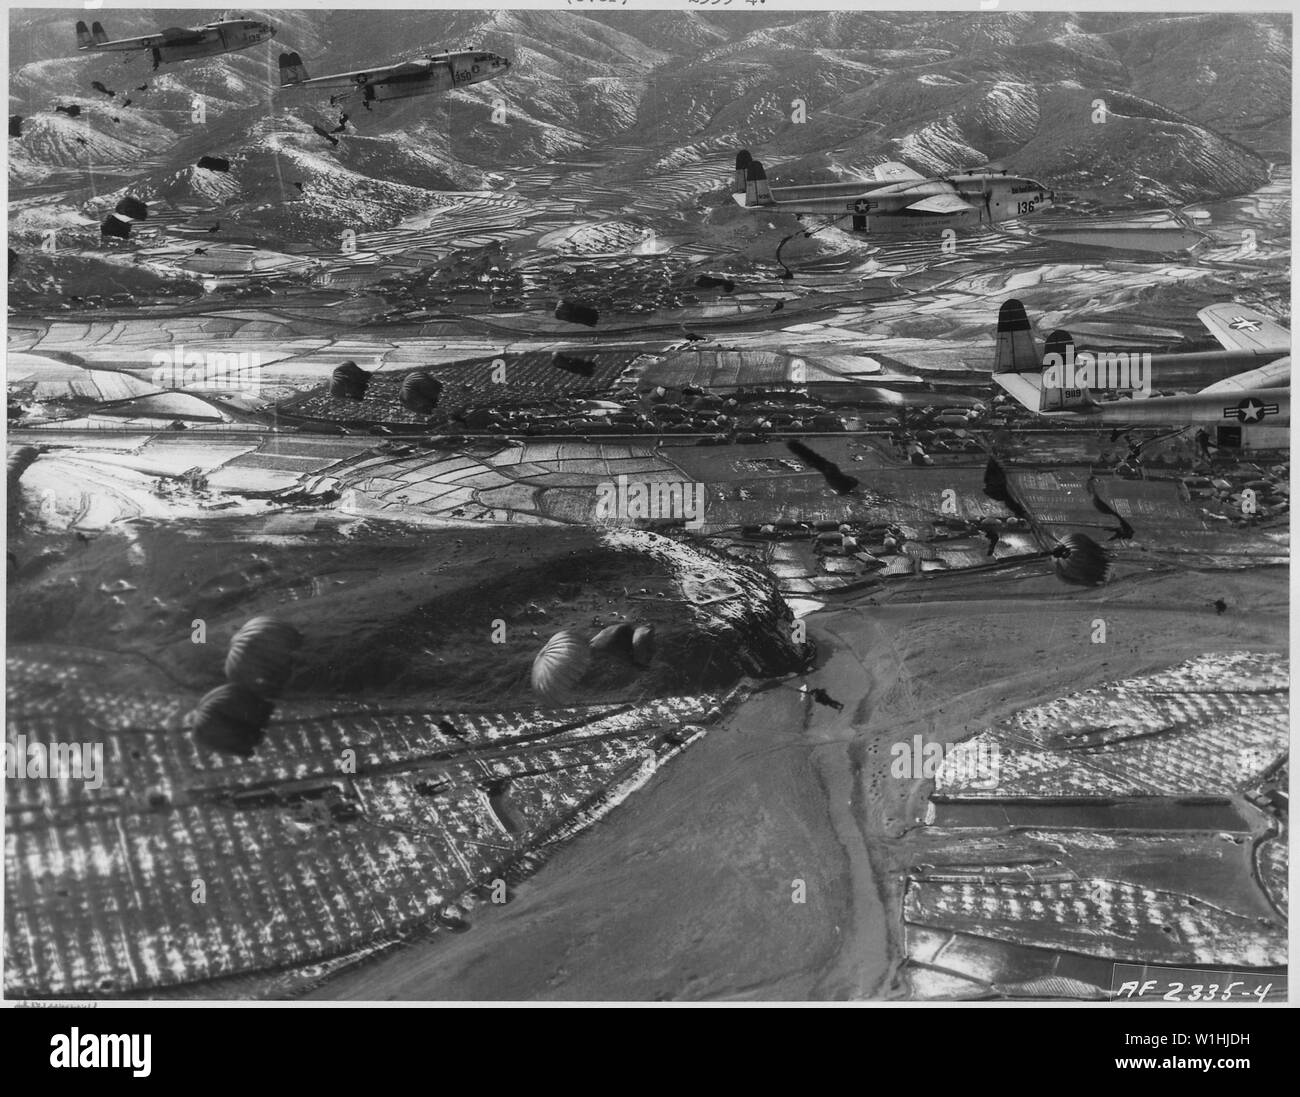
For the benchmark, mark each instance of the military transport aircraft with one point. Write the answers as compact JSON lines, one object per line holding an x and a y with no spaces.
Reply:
{"x":897,"y":200}
{"x":403,"y":80}
{"x":1250,"y":378}
{"x":179,"y":43}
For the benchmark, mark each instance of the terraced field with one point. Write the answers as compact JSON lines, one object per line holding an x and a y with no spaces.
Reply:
{"x":355,"y":823}
{"x":1144,"y":767}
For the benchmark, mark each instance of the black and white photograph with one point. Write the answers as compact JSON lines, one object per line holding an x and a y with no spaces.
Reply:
{"x":724,"y":502}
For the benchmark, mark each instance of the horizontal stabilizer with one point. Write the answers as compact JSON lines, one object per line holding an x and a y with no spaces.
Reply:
{"x":891,"y":171}
{"x":1237,"y":327}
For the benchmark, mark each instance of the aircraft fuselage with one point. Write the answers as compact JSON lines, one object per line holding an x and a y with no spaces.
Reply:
{"x":442,"y":73}
{"x":955,"y":202}
{"x":180,"y":44}
{"x":220,"y":38}
{"x":992,"y":198}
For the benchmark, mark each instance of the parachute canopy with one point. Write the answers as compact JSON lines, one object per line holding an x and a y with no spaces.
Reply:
{"x":17,"y":461}
{"x":583,"y":367}
{"x":133,"y":208}
{"x":836,"y":478}
{"x":615,"y":640}
{"x":559,"y":666}
{"x":1079,"y":559}
{"x":349,"y":381}
{"x":997,"y":487}
{"x":421,"y":392}
{"x":231,"y":718}
{"x":115,"y":226}
{"x":261,"y":655}
{"x":708,"y":281}
{"x":576,"y":312}
{"x":643,"y":645}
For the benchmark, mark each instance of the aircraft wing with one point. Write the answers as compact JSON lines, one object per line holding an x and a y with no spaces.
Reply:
{"x":179,"y":36}
{"x":1239,"y":328}
{"x":144,"y":42}
{"x":172,"y":36}
{"x":1276,"y":374}
{"x":940,"y":203}
{"x":361,"y":77}
{"x":891,"y":171}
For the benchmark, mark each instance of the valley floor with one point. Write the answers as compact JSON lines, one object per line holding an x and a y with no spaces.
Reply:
{"x":686,"y":892}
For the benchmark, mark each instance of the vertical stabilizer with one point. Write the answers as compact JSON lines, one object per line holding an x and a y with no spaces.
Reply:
{"x":743,"y":160}
{"x":292,"y":70}
{"x":757,"y":192}
{"x":1017,"y":352}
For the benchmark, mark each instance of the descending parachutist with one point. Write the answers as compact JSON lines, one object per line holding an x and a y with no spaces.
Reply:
{"x":823,"y":698}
